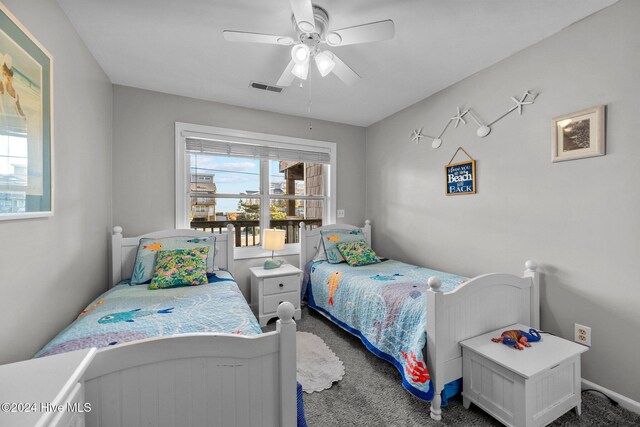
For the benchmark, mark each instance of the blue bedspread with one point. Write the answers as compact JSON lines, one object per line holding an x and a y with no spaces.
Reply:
{"x":385,"y":305}
{"x":128,"y":313}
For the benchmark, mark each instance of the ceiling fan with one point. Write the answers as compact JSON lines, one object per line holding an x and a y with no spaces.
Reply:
{"x":311,"y":23}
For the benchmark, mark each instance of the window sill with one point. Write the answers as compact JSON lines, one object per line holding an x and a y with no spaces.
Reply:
{"x":258,"y":252}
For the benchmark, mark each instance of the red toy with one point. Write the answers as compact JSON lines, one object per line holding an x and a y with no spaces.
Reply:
{"x":518,"y":339}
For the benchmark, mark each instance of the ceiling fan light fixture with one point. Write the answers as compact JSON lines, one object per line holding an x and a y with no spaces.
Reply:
{"x":300,"y":53}
{"x":324,"y":62}
{"x":301,"y":71}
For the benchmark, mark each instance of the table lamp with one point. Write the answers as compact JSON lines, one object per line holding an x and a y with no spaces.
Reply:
{"x":273,"y":240}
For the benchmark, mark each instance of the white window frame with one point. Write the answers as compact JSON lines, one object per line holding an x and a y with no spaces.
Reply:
{"x":183,"y":170}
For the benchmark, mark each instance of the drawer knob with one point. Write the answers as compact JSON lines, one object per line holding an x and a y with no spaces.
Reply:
{"x":281,"y":285}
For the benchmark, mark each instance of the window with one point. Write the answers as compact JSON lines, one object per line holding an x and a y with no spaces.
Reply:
{"x":253,"y":181}
{"x":13,"y":173}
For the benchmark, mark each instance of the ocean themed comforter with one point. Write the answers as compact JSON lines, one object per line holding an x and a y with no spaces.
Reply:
{"x":385,"y":306}
{"x":128,"y":313}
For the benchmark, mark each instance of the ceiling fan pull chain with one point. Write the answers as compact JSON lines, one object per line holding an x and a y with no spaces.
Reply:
{"x":309,"y":105}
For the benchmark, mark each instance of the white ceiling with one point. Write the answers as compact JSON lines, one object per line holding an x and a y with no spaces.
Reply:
{"x":177,"y":47}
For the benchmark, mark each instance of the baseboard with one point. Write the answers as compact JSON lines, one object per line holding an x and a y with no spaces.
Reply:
{"x":624,"y":401}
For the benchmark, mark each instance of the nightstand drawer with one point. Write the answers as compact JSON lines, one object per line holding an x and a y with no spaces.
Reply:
{"x":279,"y":285}
{"x":272,"y":302}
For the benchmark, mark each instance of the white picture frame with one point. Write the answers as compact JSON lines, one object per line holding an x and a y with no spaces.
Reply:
{"x":26,"y":175}
{"x":578,"y":135}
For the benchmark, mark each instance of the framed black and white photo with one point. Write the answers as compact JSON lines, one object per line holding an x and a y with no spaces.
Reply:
{"x":26,"y":122}
{"x":578,"y":135}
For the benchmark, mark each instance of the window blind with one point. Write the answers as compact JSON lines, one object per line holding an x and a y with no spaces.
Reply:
{"x":241,"y":147}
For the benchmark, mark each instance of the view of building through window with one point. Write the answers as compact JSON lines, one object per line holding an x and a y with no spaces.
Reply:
{"x":226,"y":190}
{"x":13,"y":173}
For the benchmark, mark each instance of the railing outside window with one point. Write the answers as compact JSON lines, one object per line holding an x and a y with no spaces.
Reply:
{"x":247,"y":233}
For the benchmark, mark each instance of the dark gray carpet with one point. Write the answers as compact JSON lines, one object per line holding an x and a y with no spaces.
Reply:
{"x":370,"y":394}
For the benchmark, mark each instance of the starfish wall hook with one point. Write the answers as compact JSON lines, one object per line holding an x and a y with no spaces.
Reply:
{"x":416,"y":135}
{"x":527,"y":98}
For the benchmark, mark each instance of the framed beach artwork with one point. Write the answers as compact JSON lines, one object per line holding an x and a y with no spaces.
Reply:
{"x":578,"y":135}
{"x":26,"y":123}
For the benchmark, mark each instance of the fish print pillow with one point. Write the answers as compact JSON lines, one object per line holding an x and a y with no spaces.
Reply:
{"x":180,"y":267}
{"x":330,"y":238}
{"x":148,"y":250}
{"x":357,"y":253}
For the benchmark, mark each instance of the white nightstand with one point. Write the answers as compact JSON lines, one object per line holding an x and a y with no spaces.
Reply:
{"x":530,"y":387}
{"x":52,"y":385}
{"x":271,"y":287}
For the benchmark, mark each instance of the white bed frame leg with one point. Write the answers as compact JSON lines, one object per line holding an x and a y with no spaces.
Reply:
{"x":286,"y":326}
{"x":436,"y":412}
{"x":434,"y":362}
{"x":466,"y":402}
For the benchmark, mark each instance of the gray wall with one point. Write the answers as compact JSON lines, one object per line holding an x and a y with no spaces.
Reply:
{"x":579,"y":219}
{"x":53,"y":267}
{"x":144,"y":145}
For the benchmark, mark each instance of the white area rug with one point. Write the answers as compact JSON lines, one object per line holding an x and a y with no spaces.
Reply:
{"x":318,"y":367}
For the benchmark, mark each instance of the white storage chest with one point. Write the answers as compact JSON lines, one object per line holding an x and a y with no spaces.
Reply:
{"x":522,"y":388}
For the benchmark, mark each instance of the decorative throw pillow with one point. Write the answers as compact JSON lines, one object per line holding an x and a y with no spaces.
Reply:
{"x":180,"y":267}
{"x":330,"y":238}
{"x":357,"y":253}
{"x":148,"y":249}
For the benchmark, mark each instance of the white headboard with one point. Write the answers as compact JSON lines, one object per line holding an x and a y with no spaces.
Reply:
{"x":310,"y":239}
{"x":124,"y":249}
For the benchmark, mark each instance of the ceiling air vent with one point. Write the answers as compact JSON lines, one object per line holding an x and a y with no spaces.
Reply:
{"x":268,"y":88}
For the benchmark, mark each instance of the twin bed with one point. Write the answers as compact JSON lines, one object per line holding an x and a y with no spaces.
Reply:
{"x":189,"y":356}
{"x":414,"y":317}
{"x":197,"y":356}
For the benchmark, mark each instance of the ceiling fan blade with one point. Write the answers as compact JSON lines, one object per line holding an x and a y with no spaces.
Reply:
{"x":303,"y":11}
{"x":365,"y":33}
{"x":241,"y":36}
{"x":344,"y":72}
{"x":287,"y":76}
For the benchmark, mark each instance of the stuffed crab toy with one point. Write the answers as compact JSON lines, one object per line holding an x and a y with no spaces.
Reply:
{"x":518,"y":339}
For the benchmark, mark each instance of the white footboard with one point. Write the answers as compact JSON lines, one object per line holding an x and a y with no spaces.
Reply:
{"x":197,"y":380}
{"x":482,"y":304}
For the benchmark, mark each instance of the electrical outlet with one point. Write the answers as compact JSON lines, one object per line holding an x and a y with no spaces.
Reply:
{"x":340,"y":213}
{"x":582,"y":335}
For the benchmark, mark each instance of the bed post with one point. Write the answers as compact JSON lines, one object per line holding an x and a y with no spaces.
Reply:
{"x":531,"y":270}
{"x":434,"y":302}
{"x":286,"y":327}
{"x":116,"y":255}
{"x":230,"y":248}
{"x":367,"y":231}
{"x":302,"y":232}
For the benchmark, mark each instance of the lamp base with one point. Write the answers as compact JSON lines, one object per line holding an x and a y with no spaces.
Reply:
{"x":271,"y":263}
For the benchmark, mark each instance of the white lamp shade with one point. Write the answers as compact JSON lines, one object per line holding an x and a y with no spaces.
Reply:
{"x":324,"y":62}
{"x":300,"y":53}
{"x":301,"y":70}
{"x":273,"y":239}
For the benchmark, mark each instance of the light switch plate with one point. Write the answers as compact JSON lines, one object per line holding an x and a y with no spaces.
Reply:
{"x":340,"y":213}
